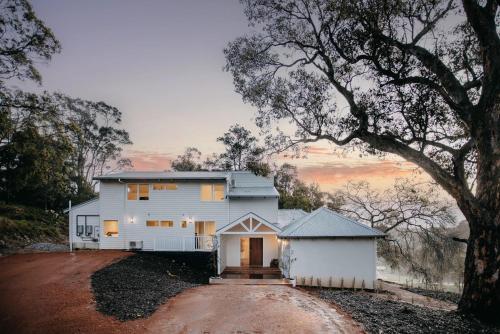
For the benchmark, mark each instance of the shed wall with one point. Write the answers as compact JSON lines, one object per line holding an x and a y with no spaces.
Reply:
{"x":335,"y":262}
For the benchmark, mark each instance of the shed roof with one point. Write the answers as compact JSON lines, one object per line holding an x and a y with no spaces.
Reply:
{"x":325,"y":223}
{"x":288,"y":216}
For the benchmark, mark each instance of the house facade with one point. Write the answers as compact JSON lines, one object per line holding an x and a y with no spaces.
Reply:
{"x":233,"y":213}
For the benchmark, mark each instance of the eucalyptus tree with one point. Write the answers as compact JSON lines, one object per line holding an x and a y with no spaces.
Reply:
{"x":24,"y":39}
{"x":419,"y":79}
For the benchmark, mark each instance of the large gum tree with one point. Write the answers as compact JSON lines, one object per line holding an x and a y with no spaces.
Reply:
{"x":419,"y":79}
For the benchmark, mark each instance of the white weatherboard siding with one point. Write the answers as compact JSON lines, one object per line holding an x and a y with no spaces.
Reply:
{"x":174,"y":205}
{"x":232,"y":248}
{"x":112,"y":205}
{"x":346,"y":259}
{"x":263,"y":207}
{"x":78,"y":214}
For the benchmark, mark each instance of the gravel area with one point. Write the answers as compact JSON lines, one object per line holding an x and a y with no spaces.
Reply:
{"x":136,"y":286}
{"x":47,"y":247}
{"x":451,"y":297}
{"x":379,"y":315}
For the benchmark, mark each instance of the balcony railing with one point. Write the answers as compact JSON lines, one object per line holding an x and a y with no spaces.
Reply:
{"x":202,"y":243}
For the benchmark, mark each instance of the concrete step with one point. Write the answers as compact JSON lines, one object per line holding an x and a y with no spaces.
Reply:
{"x":250,"y":281}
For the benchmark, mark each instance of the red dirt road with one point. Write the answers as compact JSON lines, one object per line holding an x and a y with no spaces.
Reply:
{"x":50,"y":293}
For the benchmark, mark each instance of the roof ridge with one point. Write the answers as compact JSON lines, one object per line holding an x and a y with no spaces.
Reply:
{"x":303,"y":220}
{"x":353,"y":221}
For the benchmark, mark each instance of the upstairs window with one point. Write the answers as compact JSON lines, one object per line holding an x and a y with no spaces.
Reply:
{"x":132,"y":192}
{"x":212,"y":192}
{"x":137,"y":192}
{"x":165,"y":186}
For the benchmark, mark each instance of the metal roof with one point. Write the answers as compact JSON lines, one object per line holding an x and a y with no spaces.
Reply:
{"x":325,"y":223}
{"x":288,"y":216}
{"x":252,"y":192}
{"x":81,"y":204}
{"x":165,"y":176}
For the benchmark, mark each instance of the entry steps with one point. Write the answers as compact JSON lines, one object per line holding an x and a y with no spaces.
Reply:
{"x":250,"y":281}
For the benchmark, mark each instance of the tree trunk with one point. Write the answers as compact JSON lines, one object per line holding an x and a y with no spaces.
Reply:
{"x":481,"y":294}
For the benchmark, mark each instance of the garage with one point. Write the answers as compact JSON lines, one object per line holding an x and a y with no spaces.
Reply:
{"x":325,"y":248}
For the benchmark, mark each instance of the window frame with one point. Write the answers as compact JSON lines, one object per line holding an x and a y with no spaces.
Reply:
{"x":171,"y":223}
{"x":213,"y":197}
{"x":167,"y":186}
{"x":113,"y":235}
{"x":138,"y":191}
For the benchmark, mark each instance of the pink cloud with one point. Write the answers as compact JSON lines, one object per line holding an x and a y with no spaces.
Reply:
{"x":380,"y":174}
{"x":149,"y":161}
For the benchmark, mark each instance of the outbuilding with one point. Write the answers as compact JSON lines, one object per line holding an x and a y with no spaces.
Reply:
{"x":326,"y":248}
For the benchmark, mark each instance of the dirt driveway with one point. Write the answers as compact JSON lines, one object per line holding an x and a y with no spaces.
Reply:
{"x":50,"y":293}
{"x":249,"y":309}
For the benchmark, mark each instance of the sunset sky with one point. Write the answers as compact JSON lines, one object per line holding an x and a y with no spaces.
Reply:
{"x":160,"y":63}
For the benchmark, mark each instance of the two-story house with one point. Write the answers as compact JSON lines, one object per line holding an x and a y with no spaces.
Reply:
{"x":233,"y":213}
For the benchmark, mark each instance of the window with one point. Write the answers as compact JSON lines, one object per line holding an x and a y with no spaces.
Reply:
{"x":167,"y":223}
{"x":212,"y":192}
{"x":137,"y":191}
{"x":111,"y":228}
{"x":165,"y":186}
{"x":132,"y":192}
{"x":143,"y":192}
{"x":152,"y":223}
{"x":161,"y":223}
{"x":218,"y":192}
{"x":184,"y":224}
{"x":204,"y":228}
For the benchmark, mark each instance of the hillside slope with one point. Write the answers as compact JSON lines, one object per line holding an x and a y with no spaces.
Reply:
{"x":21,"y":226}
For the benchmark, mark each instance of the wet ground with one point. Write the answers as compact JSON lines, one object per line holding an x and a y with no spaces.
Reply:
{"x":250,"y":309}
{"x":51,"y":293}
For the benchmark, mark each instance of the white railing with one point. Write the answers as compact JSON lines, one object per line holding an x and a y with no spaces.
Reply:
{"x":203,"y":243}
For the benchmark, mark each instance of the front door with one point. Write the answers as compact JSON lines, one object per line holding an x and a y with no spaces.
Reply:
{"x":256,"y":251}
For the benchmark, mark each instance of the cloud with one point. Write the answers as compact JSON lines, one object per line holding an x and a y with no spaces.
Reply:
{"x":149,"y":161}
{"x":380,"y":174}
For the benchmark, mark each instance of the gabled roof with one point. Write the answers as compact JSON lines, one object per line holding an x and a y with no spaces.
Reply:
{"x":288,"y":216}
{"x":325,"y":223}
{"x":254,"y":229}
{"x":165,"y":176}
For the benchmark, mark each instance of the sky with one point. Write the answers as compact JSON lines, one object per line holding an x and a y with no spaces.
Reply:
{"x":161,"y":64}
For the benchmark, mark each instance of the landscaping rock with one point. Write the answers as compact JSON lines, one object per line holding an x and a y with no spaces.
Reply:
{"x":136,"y":286}
{"x":440,"y":295}
{"x":379,"y":315}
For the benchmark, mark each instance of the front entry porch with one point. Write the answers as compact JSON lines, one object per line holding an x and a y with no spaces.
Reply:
{"x":248,"y":249}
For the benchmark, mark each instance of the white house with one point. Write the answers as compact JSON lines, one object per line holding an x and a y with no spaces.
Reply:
{"x":235,"y":213}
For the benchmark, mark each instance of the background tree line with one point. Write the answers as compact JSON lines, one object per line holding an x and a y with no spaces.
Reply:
{"x":419,"y":224}
{"x":51,"y":144}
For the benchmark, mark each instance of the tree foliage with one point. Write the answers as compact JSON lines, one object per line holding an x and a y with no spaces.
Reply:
{"x":189,"y":161}
{"x":51,"y":145}
{"x":420,"y":79}
{"x":24,"y":40}
{"x":417,"y":223}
